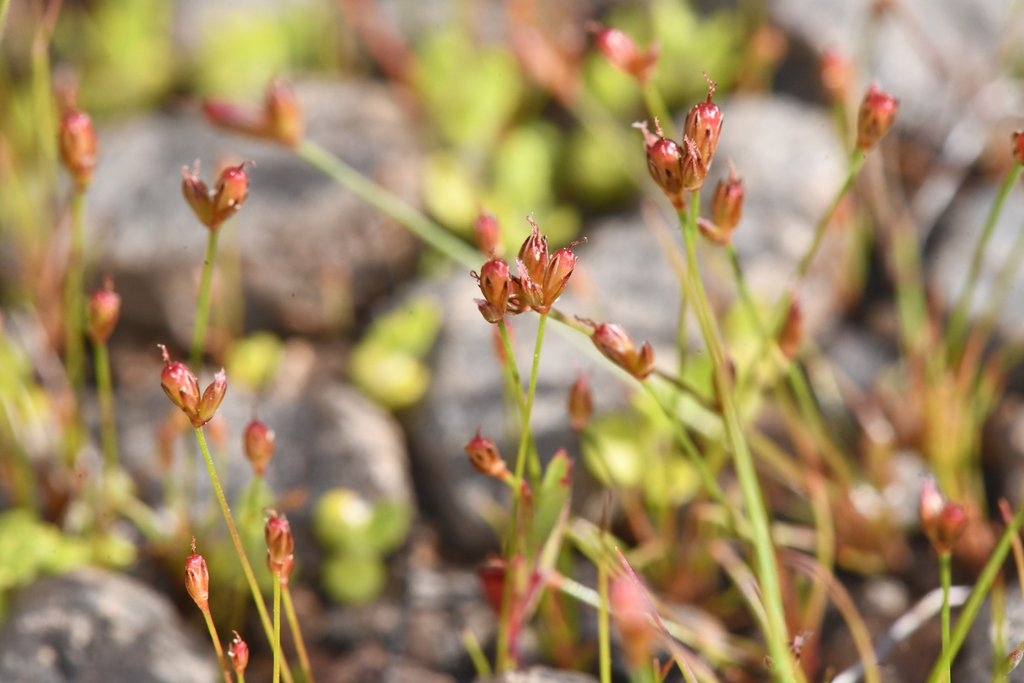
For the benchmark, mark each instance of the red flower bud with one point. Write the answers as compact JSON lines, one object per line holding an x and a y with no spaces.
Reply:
{"x":232,"y":189}
{"x":102,"y":313}
{"x":836,"y":75}
{"x":703,"y":126}
{"x":581,"y":403}
{"x":942,"y":522}
{"x":629,"y":605}
{"x":877,"y":113}
{"x":665,"y":160}
{"x":280,"y":542}
{"x":197,"y":579}
{"x":559,"y":270}
{"x":485,"y":457}
{"x":533,"y":255}
{"x":213,"y":395}
{"x":258,"y":441}
{"x":77,"y":141}
{"x":284,"y":115}
{"x":792,"y":332}
{"x":197,"y":194}
{"x":1018,"y":146}
{"x":622,"y":53}
{"x":727,"y":204}
{"x":180,"y":384}
{"x":613,"y":341}
{"x":492,"y":579}
{"x":238,"y":654}
{"x":487,"y":231}
{"x":495,"y":285}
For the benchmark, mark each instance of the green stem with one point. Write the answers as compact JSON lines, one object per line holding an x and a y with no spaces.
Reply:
{"x":217,"y":647}
{"x":74,"y":301}
{"x":603,"y":632}
{"x":236,"y":539}
{"x":958,"y":320}
{"x":108,"y":428}
{"x":203,"y":303}
{"x":978,"y":594}
{"x":428,"y":231}
{"x":525,"y":451}
{"x":764,"y":551}
{"x":277,"y":627}
{"x":946,"y":579}
{"x":300,"y":642}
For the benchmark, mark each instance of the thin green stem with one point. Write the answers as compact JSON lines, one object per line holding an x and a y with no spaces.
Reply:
{"x":294,"y":627}
{"x":958,"y":320}
{"x":217,"y":647}
{"x":476,"y":655}
{"x":946,"y":579}
{"x":277,"y":627}
{"x":513,"y":369}
{"x":978,"y":594}
{"x":108,"y":428}
{"x":764,"y":550}
{"x":74,"y":298}
{"x":428,"y":231}
{"x":236,"y":539}
{"x":525,"y":443}
{"x":604,"y":643}
{"x":203,"y":303}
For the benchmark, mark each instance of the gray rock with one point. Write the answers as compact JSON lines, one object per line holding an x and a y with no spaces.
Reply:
{"x":303,"y":250}
{"x":540,"y":675}
{"x":91,"y":626}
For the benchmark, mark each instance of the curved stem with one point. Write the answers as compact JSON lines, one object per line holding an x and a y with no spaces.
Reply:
{"x":217,"y":647}
{"x":428,"y":231}
{"x":203,"y":303}
{"x":764,"y":550}
{"x":300,"y":642}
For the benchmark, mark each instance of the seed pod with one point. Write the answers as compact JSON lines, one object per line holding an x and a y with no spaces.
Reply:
{"x":875,"y":118}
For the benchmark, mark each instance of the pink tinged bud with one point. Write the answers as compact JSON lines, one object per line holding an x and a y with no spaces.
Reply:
{"x":213,"y":395}
{"x":611,"y":340}
{"x":197,"y":194}
{"x":238,"y":654}
{"x":792,"y":332}
{"x":695,"y":167}
{"x":103,"y":311}
{"x":258,"y":441}
{"x":727,"y":203}
{"x":232,"y":189}
{"x":495,"y":285}
{"x":836,"y":75}
{"x":283,"y":113}
{"x":533,"y":255}
{"x":556,"y":276}
{"x":180,"y":385}
{"x":487,"y":232}
{"x":875,"y":118}
{"x":930,"y":505}
{"x":197,"y":579}
{"x":485,"y":457}
{"x":622,"y":53}
{"x":237,"y":118}
{"x":665,"y":160}
{"x":1018,"y":146}
{"x":280,"y":542}
{"x":950,"y":527}
{"x":703,"y":126}
{"x":581,"y":403}
{"x":629,"y":606}
{"x":77,"y":141}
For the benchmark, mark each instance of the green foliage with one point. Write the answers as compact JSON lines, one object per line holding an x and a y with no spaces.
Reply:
{"x":252,"y":361}
{"x":388,"y":364}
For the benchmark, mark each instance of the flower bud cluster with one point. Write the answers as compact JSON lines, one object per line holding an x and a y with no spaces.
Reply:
{"x":279,"y":120}
{"x":214,"y":207}
{"x":541,"y":278}
{"x":182,"y":387}
{"x":678,"y":167}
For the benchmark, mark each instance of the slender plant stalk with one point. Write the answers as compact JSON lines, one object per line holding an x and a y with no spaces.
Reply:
{"x":978,"y":594}
{"x":203,"y":303}
{"x":294,"y":627}
{"x":277,"y":627}
{"x":604,"y":643}
{"x":108,"y":428}
{"x":476,"y":654}
{"x":217,"y":647}
{"x":958,"y":320}
{"x":525,"y":451}
{"x":430,"y":232}
{"x":946,"y":579}
{"x":250,"y":577}
{"x":764,"y":551}
{"x":74,"y":298}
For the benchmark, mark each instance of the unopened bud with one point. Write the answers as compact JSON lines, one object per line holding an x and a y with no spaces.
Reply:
{"x":213,"y":395}
{"x":492,"y":580}
{"x":727,"y":203}
{"x":487,"y":232}
{"x":613,"y":341}
{"x":284,"y":115}
{"x":485,"y":457}
{"x":533,"y":254}
{"x":495,"y":285}
{"x":1018,"y":146}
{"x":77,"y":140}
{"x":581,"y":403}
{"x":665,"y":160}
{"x":280,"y":542}
{"x":102,"y":313}
{"x":197,"y":579}
{"x":180,"y":384}
{"x":875,"y":118}
{"x":703,"y":126}
{"x":792,"y":332}
{"x":232,"y":189}
{"x":836,"y":75}
{"x":560,"y":268}
{"x":259,"y":442}
{"x":622,"y":53}
{"x":238,"y":655}
{"x":942,"y":522}
{"x":629,"y":607}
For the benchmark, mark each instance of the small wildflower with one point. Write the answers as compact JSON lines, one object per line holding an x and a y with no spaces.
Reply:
{"x":613,"y":341}
{"x":258,"y":441}
{"x":77,"y":140}
{"x":703,"y":126}
{"x":542,"y":275}
{"x":495,"y":284}
{"x":621,"y":52}
{"x":484,"y":455}
{"x":182,"y":387}
{"x":238,"y":654}
{"x":877,"y":113}
{"x":581,"y":403}
{"x":212,"y":397}
{"x":487,"y":232}
{"x":103,"y":311}
{"x":213,"y":208}
{"x":280,"y":542}
{"x":197,"y":579}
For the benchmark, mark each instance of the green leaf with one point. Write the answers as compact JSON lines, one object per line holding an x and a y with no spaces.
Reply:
{"x":551,"y":497}
{"x":353,"y":579}
{"x":343,"y":521}
{"x":389,"y":525}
